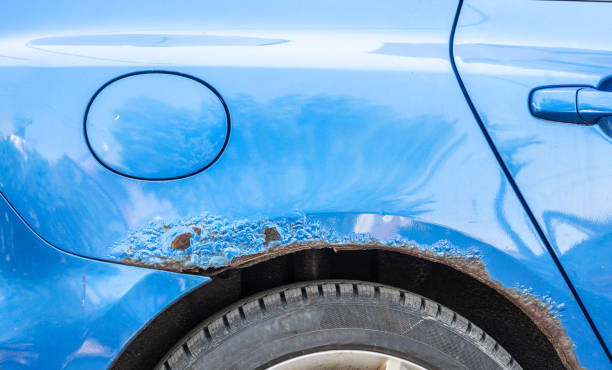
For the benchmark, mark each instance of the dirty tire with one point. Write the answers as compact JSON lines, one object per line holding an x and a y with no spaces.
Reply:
{"x":297,"y":319}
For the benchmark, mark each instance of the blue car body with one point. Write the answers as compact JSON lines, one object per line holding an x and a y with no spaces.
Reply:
{"x":398,"y":124}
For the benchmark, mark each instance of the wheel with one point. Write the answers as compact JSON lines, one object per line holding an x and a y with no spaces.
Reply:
{"x":337,"y":324}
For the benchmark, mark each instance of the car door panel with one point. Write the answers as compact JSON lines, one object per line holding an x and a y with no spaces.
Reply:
{"x":505,"y":50}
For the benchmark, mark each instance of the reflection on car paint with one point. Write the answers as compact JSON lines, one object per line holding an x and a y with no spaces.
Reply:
{"x":138,"y":125}
{"x":562,"y":170}
{"x":357,"y":116}
{"x":63,"y":311}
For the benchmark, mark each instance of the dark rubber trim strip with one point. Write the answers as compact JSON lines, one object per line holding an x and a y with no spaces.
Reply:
{"x":517,"y":190}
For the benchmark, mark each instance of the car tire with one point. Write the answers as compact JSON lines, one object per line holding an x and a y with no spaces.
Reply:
{"x":291,"y":321}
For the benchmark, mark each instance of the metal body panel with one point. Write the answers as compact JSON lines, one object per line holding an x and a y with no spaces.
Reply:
{"x":61,"y":311}
{"x":563,"y":171}
{"x":350,"y":120}
{"x":133,"y":124}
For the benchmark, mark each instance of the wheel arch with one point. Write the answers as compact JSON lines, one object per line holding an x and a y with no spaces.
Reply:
{"x":459,"y":286}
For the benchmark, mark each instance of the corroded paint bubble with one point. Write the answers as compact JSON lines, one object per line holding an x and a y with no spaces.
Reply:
{"x":210,"y":241}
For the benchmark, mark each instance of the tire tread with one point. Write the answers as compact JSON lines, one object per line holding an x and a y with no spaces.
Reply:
{"x":249,"y":310}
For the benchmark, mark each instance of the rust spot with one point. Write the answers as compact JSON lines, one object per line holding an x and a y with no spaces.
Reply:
{"x":182,"y":241}
{"x":271,"y":234}
{"x":166,"y":265}
{"x":197,"y":230}
{"x":166,"y":227}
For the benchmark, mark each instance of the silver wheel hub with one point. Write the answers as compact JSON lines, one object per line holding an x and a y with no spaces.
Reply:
{"x":346,"y":360}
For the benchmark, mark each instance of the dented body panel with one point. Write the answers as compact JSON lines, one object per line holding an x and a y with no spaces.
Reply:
{"x":348,"y":130}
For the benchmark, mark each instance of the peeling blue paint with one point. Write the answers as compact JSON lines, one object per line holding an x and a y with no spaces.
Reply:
{"x":215,"y":241}
{"x":556,"y":309}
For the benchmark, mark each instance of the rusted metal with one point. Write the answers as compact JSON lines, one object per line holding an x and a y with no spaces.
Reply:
{"x":271,"y":235}
{"x":182,"y":241}
{"x":211,"y":246}
{"x":535,"y":308}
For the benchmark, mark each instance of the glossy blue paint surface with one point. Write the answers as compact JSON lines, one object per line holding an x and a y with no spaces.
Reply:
{"x":346,"y":126}
{"x":556,"y":103}
{"x":61,"y":311}
{"x":594,"y":104}
{"x":156,"y":125}
{"x":583,"y":105}
{"x":503,"y":50}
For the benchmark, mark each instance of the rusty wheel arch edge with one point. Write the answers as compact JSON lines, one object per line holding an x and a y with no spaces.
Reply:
{"x":534,"y":308}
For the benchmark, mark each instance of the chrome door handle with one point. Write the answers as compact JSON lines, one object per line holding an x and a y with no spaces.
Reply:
{"x":582,"y":105}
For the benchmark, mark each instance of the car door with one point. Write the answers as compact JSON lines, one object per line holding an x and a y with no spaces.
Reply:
{"x":520,"y":62}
